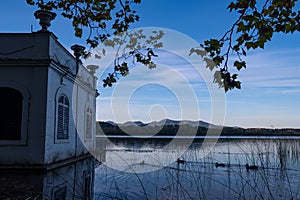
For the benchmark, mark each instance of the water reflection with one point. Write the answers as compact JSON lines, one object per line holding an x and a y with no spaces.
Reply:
{"x":72,"y":181}
{"x":276,"y":177}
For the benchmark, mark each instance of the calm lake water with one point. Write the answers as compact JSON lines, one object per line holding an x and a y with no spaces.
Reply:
{"x":146,"y":169}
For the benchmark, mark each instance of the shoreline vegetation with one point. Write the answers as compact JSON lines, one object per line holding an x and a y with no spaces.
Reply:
{"x":172,"y":128}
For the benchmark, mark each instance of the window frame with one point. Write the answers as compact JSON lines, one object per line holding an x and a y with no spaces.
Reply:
{"x":63,"y":113}
{"x":88,"y":124}
{"x":24,"y":116}
{"x":65,"y":106}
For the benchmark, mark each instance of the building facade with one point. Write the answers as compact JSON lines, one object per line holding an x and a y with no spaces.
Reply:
{"x":47,"y":102}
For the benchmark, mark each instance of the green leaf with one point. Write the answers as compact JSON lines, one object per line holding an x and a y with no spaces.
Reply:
{"x":238,"y":85}
{"x":241,"y":26}
{"x":239,"y":64}
{"x":288,"y":28}
{"x":218,"y":60}
{"x":78,"y":32}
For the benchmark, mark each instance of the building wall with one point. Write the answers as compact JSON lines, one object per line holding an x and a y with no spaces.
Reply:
{"x":25,"y":46}
{"x":84,"y":99}
{"x":81,"y":94}
{"x":43,"y":69}
{"x":58,"y":149}
{"x":31,"y":147}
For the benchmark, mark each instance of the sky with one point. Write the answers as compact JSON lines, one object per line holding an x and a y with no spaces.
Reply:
{"x":180,"y":88}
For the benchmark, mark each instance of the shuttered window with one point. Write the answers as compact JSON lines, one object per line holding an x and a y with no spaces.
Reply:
{"x":63,"y":118}
{"x":88,"y":125}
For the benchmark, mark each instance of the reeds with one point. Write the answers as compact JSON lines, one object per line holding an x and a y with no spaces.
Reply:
{"x":198,"y":178}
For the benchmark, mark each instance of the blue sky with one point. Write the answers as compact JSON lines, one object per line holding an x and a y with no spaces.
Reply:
{"x":270,"y":93}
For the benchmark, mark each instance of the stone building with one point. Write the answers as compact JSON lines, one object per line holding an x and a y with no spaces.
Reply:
{"x":47,"y":109}
{"x":47,"y":101}
{"x":47,"y":117}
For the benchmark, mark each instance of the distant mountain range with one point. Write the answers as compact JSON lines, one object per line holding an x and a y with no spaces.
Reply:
{"x":170,"y":127}
{"x":164,"y":122}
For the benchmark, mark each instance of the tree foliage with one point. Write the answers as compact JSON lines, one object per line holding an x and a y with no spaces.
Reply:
{"x":256,"y":24}
{"x":107,"y":22}
{"x":102,"y":18}
{"x":131,"y":45}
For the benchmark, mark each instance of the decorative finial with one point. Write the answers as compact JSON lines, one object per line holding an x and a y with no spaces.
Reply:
{"x":92,"y":68}
{"x":78,"y":50}
{"x":45,"y":18}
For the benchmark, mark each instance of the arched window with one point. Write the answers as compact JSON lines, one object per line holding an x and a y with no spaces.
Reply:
{"x":88,"y":125}
{"x":63,"y":118}
{"x":11,"y":101}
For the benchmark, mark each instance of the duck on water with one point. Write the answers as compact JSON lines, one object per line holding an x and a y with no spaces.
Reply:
{"x":251,"y":167}
{"x":219,"y":164}
{"x":180,"y":161}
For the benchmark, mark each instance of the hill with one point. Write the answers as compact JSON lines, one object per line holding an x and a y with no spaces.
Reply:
{"x":168,"y":127}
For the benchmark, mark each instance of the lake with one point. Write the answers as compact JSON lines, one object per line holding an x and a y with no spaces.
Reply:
{"x":147,"y":168}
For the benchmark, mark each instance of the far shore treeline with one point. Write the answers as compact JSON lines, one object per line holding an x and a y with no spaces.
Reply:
{"x":172,"y":129}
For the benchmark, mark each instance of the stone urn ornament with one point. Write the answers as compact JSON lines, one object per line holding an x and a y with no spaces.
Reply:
{"x":92,"y":68}
{"x":45,"y":18}
{"x":78,"y":52}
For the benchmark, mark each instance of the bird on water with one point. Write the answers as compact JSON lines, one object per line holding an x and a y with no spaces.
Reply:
{"x":180,"y":161}
{"x":219,"y":164}
{"x":251,"y":167}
